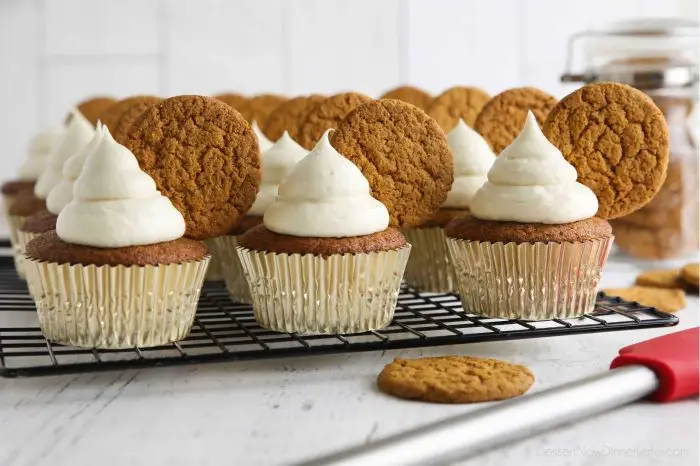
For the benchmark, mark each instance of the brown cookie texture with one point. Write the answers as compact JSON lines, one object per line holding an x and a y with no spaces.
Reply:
{"x":136,"y":108}
{"x":48,"y":247}
{"x":662,"y":278}
{"x":288,"y":117}
{"x":457,"y":103}
{"x":470,"y":228}
{"x":691,"y":274}
{"x":259,"y":107}
{"x":502,"y":118}
{"x":92,"y":107}
{"x":411,"y":95}
{"x":202,"y":155}
{"x":454,"y":379}
{"x":111,"y":115}
{"x":40,"y":222}
{"x":14,"y":187}
{"x":326,"y":115}
{"x":667,"y":300}
{"x":26,"y":205}
{"x":616,"y":138}
{"x":260,"y":238}
{"x":232,"y":99}
{"x":404,"y":155}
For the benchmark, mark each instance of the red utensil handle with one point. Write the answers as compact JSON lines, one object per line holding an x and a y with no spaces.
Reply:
{"x":674,"y":360}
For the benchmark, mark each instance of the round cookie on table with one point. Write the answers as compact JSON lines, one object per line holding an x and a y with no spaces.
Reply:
{"x":457,"y":103}
{"x":289,"y":116}
{"x":429,"y":267}
{"x":326,"y":115}
{"x":277,"y":162}
{"x":411,"y":95}
{"x":259,"y":107}
{"x":500,"y":120}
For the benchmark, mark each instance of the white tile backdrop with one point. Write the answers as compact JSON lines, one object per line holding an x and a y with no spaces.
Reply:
{"x":54,"y":52}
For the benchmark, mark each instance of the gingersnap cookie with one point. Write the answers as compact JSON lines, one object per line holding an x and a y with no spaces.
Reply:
{"x":289,"y":115}
{"x":616,"y":138}
{"x":91,"y":108}
{"x":454,"y":379}
{"x":458,"y":103}
{"x":404,"y":155}
{"x":664,"y":278}
{"x":259,"y":107}
{"x":111,"y":116}
{"x":326,"y":115}
{"x":202,"y":155}
{"x":234,"y":100}
{"x":667,"y":300}
{"x":411,"y":95}
{"x":691,"y":275}
{"x":130,"y":114}
{"x":502,"y":118}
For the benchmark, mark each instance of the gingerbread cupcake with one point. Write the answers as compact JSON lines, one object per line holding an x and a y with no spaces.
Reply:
{"x":429,"y":267}
{"x":116,"y":273}
{"x":277,"y":162}
{"x":324,"y":260}
{"x":531,"y":247}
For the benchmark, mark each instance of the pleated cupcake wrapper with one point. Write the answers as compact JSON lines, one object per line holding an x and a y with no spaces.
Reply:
{"x":6,"y":201}
{"x":225,"y":248}
{"x":23,"y":238}
{"x":534,"y":281}
{"x":215,"y":271}
{"x":309,"y":294}
{"x":114,"y":307}
{"x":429,"y":267}
{"x":15,"y":222}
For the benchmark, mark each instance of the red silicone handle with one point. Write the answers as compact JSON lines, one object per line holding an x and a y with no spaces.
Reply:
{"x":674,"y":359}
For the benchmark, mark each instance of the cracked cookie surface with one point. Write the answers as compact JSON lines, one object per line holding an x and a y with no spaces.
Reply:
{"x":234,"y":100}
{"x":289,"y":116}
{"x":455,"y":103}
{"x":616,"y":138}
{"x":259,"y":107}
{"x":404,"y":155}
{"x":502,"y":118}
{"x":119,"y":117}
{"x":202,"y":155}
{"x":454,"y":379}
{"x":326,"y":115}
{"x":411,"y":95}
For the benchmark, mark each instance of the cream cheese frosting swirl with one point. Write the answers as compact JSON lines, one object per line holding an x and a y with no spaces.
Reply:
{"x":277,"y":162}
{"x":115,"y":204}
{"x":473,"y":159}
{"x":40,"y":149}
{"x":531,"y":182}
{"x":78,"y":134}
{"x":263,"y":142}
{"x":62,"y":193}
{"x":326,"y":196}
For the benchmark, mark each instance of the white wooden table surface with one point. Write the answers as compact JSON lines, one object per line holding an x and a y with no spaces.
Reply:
{"x":283,"y":411}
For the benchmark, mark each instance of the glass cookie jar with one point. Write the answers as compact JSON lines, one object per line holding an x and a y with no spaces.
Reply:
{"x":659,"y":57}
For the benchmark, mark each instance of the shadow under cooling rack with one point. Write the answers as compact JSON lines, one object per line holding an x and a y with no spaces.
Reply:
{"x":227,"y":331}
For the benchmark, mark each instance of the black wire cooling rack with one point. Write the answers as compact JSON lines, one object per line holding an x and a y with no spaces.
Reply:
{"x":227,"y":331}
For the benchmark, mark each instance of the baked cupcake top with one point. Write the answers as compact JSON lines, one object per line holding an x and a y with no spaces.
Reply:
{"x":78,"y":134}
{"x":40,"y":148}
{"x":263,"y":142}
{"x":115,"y":204}
{"x":62,"y":193}
{"x":531,"y":182}
{"x":325,"y":195}
{"x":277,"y":162}
{"x":473,"y":159}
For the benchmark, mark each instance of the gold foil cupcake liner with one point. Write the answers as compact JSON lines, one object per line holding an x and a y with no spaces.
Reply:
{"x":429,"y":266}
{"x":225,"y":248}
{"x":215,"y":271}
{"x":310,"y":294}
{"x":113,"y":307}
{"x":531,"y":281}
{"x":15,"y":222}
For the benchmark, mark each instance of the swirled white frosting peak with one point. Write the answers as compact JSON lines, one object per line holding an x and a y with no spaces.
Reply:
{"x":115,"y":204}
{"x":473,"y":158}
{"x":263,"y":142}
{"x":62,"y":193}
{"x":531,"y":182}
{"x":325,"y":195}
{"x":277,"y":162}
{"x":40,"y":148}
{"x":78,"y":134}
